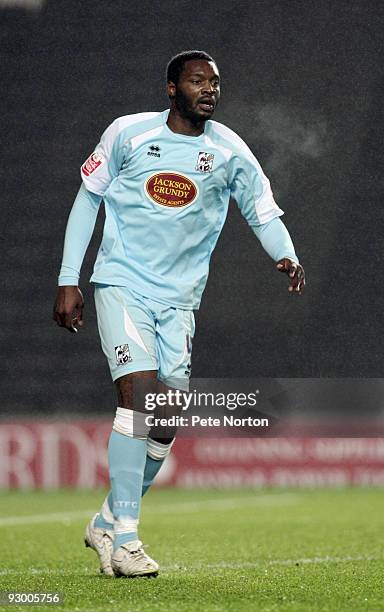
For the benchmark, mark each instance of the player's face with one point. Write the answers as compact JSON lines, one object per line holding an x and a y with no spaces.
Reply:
{"x":198,"y":91}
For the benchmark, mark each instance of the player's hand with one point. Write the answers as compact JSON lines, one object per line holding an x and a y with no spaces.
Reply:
{"x":68,"y":308}
{"x":296,"y":275}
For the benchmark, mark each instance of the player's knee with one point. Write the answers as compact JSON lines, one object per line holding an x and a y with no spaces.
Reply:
{"x":133,"y":388}
{"x":131,"y":423}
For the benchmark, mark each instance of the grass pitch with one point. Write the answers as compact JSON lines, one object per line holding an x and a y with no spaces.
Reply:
{"x":218,"y":550}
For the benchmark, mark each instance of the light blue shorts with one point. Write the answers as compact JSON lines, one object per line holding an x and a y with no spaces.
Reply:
{"x":139,"y":334}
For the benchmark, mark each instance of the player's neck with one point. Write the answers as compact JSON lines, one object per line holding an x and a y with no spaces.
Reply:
{"x":183,"y":125}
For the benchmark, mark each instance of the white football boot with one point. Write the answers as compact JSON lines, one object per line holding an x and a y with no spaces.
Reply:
{"x":101,"y":541}
{"x":131,"y":560}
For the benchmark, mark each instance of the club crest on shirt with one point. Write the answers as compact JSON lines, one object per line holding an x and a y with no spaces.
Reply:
{"x":171,"y":189}
{"x":204,"y":162}
{"x":93,"y":162}
{"x":123,"y":354}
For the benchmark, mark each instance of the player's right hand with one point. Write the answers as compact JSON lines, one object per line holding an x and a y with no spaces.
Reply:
{"x":68,"y":308}
{"x":296,"y":275}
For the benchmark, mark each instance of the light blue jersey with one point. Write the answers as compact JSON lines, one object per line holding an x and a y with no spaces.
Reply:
{"x":166,"y":199}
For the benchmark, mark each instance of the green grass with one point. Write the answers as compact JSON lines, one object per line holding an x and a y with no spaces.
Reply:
{"x":218,"y":550}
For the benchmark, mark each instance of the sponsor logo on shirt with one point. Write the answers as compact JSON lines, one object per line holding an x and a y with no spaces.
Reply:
{"x":204,"y":162}
{"x":171,"y":189}
{"x":123,"y":354}
{"x":93,"y":162}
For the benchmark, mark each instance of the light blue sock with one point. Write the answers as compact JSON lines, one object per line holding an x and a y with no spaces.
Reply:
{"x":102,"y":523}
{"x":127,"y":458}
{"x":152,"y":466}
{"x":151,"y":469}
{"x":104,"y":519}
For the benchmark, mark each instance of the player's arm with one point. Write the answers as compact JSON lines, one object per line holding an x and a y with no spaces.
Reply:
{"x":252,"y":191}
{"x":97,"y":173}
{"x":69,"y":303}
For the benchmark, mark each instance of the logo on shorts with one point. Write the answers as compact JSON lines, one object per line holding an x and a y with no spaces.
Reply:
{"x":93,"y":162}
{"x":171,"y":189}
{"x":204,"y":162}
{"x":123,"y":354}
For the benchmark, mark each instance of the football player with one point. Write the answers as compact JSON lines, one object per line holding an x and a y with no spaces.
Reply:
{"x":166,"y":179}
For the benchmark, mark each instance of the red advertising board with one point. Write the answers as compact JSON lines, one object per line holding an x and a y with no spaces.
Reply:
{"x":54,"y":454}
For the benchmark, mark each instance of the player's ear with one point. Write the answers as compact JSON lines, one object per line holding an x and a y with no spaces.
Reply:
{"x":171,"y":89}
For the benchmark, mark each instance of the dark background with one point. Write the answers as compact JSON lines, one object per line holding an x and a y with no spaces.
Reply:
{"x":302,"y":84}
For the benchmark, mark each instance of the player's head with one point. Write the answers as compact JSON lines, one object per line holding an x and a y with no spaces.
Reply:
{"x":193,"y":84}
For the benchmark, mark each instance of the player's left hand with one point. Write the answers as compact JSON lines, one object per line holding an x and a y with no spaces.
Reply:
{"x":296,"y":274}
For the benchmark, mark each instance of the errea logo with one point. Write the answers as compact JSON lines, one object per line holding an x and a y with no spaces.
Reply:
{"x":154,"y":150}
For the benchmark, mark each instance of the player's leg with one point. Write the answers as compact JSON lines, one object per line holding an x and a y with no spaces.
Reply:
{"x":127,"y":454}
{"x":127,"y":335}
{"x":175,"y":330}
{"x":157,"y":451}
